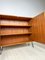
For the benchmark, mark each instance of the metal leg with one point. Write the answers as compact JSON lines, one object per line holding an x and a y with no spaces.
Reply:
{"x":28,"y":44}
{"x":32,"y":45}
{"x":1,"y":48}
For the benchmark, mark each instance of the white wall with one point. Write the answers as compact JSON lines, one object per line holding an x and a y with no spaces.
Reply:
{"x":39,"y":45}
{"x":28,"y":8}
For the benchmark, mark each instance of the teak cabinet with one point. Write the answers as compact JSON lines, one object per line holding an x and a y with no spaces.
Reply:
{"x":14,"y":30}
{"x":18,"y":30}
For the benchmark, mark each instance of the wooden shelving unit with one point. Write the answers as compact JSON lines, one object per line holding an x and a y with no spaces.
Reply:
{"x":14,"y":30}
{"x":19,"y":30}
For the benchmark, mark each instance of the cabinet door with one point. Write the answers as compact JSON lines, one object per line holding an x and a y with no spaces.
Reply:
{"x":38,"y":28}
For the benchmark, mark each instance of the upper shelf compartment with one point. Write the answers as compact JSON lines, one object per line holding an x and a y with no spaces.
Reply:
{"x":13,"y":21}
{"x":8,"y":17}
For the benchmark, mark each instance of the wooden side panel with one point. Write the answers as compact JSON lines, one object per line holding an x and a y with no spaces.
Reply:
{"x":38,"y":28}
{"x":30,"y":30}
{"x":0,"y":40}
{"x":0,"y":36}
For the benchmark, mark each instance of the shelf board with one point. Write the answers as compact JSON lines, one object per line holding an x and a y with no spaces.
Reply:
{"x":17,"y":26}
{"x":16,"y":34}
{"x":16,"y":43}
{"x":9,"y":17}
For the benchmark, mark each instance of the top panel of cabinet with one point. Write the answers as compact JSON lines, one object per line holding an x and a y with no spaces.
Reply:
{"x":8,"y":17}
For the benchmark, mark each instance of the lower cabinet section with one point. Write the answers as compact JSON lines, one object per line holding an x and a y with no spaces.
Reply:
{"x":13,"y":40}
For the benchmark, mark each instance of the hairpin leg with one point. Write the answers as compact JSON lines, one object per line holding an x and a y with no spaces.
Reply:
{"x":1,"y":48}
{"x":32,"y":45}
{"x":28,"y":44}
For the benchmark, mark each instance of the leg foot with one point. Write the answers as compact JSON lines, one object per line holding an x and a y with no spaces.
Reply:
{"x":1,"y":48}
{"x":32,"y":45}
{"x":28,"y":44}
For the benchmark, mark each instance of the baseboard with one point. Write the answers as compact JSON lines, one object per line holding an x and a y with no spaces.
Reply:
{"x":39,"y":44}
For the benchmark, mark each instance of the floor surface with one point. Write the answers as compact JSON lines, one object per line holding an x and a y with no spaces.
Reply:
{"x":23,"y":52}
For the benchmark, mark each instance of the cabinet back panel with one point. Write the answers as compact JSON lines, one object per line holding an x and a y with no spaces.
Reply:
{"x":8,"y":40}
{"x":6,"y":31}
{"x":15,"y":23}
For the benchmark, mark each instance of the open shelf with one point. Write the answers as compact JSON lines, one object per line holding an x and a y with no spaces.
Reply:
{"x":16,"y":34}
{"x":16,"y":43}
{"x":14,"y":30}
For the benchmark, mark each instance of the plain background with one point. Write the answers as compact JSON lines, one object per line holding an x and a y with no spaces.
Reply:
{"x":27,"y":8}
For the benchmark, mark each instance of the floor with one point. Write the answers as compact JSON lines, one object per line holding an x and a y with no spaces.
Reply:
{"x":23,"y":52}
